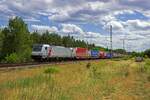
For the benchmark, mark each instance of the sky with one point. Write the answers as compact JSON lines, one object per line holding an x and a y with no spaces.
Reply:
{"x":88,"y":20}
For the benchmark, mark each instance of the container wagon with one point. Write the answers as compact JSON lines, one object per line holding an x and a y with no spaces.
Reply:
{"x":81,"y":53}
{"x":94,"y":53}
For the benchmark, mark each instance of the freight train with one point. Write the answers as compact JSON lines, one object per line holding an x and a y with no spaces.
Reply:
{"x":46,"y":51}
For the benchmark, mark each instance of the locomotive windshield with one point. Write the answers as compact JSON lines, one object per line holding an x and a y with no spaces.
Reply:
{"x":37,"y":47}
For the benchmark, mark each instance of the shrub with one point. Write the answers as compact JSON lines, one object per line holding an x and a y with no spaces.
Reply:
{"x":148,"y":78}
{"x":147,"y":66}
{"x":18,"y":57}
{"x":51,"y":70}
{"x":88,"y":65}
{"x":95,"y":74}
{"x":124,"y":71}
{"x":26,"y":55}
{"x":12,"y":58}
{"x":144,"y":68}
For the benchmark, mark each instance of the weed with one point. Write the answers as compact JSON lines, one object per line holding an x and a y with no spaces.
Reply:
{"x":88,"y":65}
{"x":25,"y":82}
{"x":108,"y":79}
{"x":108,"y":89}
{"x":51,"y":70}
{"x":144,"y":68}
{"x":124,"y":71}
{"x":148,"y":78}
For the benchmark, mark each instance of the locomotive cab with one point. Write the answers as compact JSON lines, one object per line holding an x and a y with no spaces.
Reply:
{"x":40,"y":51}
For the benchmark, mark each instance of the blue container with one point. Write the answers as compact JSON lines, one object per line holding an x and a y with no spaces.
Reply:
{"x":94,"y":53}
{"x":108,"y":55}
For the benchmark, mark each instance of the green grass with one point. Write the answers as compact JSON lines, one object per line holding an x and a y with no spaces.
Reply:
{"x":95,"y":80}
{"x":51,"y":70}
{"x":23,"y":83}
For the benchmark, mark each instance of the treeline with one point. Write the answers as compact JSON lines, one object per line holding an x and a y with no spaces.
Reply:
{"x":145,"y":53}
{"x":16,"y":41}
{"x":55,"y":39}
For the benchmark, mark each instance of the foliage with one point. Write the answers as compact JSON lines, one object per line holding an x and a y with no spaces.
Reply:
{"x":24,"y":82}
{"x":137,"y":54}
{"x":111,"y":80}
{"x":12,"y":58}
{"x":121,"y":51}
{"x":16,"y":38}
{"x":88,"y":65}
{"x":51,"y":70}
{"x":1,"y":39}
{"x":147,"y":52}
{"x":55,"y":39}
{"x":147,"y":66}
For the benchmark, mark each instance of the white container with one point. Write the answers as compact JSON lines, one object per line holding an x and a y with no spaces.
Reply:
{"x":60,"y":52}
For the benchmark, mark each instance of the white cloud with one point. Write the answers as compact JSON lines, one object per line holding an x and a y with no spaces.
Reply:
{"x":117,"y":26}
{"x":127,"y":11}
{"x":31,"y":19}
{"x":138,"y":24}
{"x":100,"y":12}
{"x":71,"y":28}
{"x":42,"y":28}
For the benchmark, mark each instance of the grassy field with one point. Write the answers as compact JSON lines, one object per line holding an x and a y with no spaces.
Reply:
{"x":97,"y":80}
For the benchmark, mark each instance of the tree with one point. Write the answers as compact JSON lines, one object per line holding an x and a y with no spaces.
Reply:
{"x":35,"y":36}
{"x":16,"y":39}
{"x":45,"y":38}
{"x":1,"y":39}
{"x":147,"y":52}
{"x":121,"y":51}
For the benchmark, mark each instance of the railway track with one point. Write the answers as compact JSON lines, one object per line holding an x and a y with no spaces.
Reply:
{"x":35,"y":64}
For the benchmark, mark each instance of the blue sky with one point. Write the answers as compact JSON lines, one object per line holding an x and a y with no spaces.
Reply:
{"x":86,"y":19}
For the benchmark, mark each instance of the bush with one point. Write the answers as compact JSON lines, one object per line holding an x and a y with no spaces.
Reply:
{"x":26,"y":55}
{"x":147,"y":66}
{"x":12,"y":58}
{"x":18,"y":57}
{"x":51,"y":70}
{"x":88,"y":65}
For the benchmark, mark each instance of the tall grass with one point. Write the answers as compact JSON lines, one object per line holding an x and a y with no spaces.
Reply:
{"x":105,"y":79}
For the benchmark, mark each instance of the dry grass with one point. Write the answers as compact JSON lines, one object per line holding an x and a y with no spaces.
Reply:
{"x":104,"y":80}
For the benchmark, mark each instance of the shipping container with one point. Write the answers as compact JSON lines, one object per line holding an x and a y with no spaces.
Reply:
{"x":102,"y":54}
{"x":94,"y":53}
{"x":81,"y":53}
{"x":59,"y":51}
{"x":108,"y":55}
